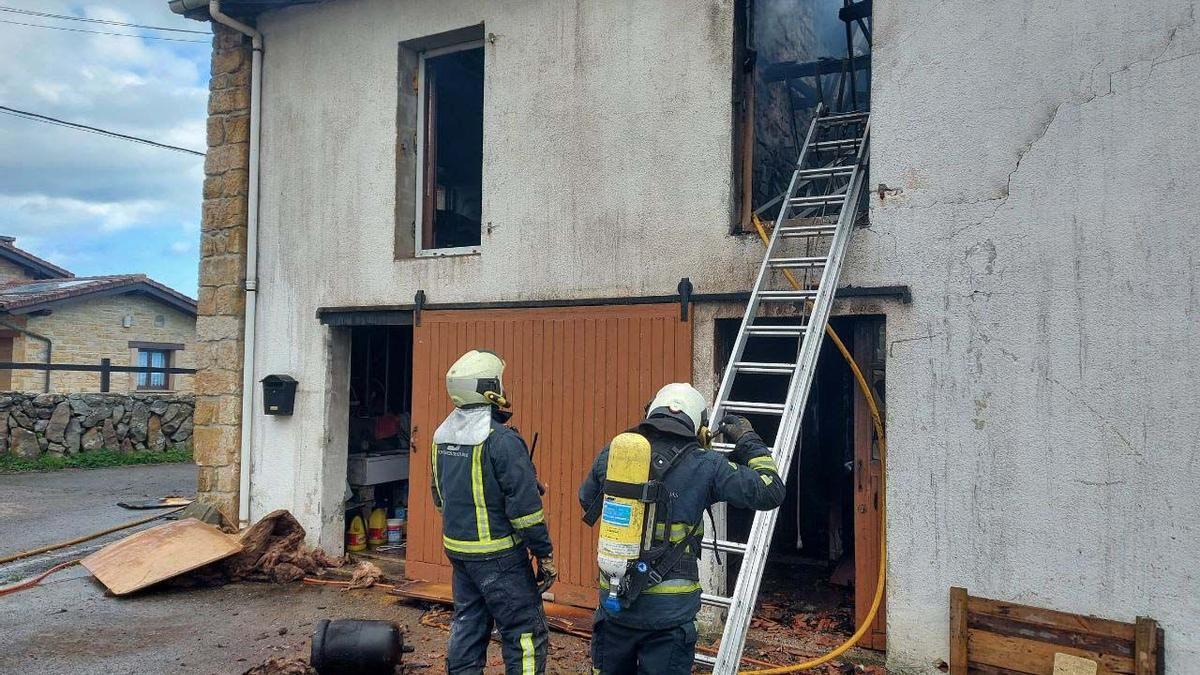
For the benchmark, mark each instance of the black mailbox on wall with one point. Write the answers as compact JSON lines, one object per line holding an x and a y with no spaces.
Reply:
{"x":279,"y":394}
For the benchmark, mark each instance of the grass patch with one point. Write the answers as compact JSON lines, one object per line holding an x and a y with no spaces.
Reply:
{"x":95,"y":459}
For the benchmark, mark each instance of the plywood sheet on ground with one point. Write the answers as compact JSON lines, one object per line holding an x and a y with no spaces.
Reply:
{"x":158,"y":554}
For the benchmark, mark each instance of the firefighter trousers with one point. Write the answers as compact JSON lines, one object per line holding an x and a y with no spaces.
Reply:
{"x":500,"y":592}
{"x":622,"y":650}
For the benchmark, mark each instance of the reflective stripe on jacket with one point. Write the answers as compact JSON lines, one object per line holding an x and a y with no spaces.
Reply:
{"x":488,"y":497}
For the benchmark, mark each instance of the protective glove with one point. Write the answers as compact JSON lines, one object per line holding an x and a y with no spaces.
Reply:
{"x":547,"y":573}
{"x":736,"y":429}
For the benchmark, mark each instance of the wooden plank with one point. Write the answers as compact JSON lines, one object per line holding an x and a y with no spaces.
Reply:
{"x":158,"y":554}
{"x":1051,"y":619}
{"x":1031,"y":656}
{"x":1065,"y":664}
{"x":1146,"y":647}
{"x":958,"y":631}
{"x":1088,"y":641}
{"x":979,"y":669}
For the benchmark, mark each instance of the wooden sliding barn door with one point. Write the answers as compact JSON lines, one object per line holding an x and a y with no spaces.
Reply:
{"x":576,"y":376}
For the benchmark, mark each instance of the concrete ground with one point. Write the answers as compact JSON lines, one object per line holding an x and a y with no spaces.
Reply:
{"x":68,"y":624}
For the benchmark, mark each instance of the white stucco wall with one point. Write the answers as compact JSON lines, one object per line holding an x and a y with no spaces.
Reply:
{"x":1043,"y":386}
{"x":607,"y":132}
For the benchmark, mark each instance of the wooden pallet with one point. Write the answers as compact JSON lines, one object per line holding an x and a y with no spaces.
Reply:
{"x":1003,"y":638}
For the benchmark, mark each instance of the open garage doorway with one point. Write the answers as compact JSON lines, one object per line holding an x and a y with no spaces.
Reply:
{"x":821,"y":571}
{"x":379,"y":426}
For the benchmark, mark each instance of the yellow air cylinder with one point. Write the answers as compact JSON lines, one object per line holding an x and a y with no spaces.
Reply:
{"x":356,"y":535}
{"x":622,"y":521}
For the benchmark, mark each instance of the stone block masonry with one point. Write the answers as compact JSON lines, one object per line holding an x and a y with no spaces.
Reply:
{"x":222,"y":300}
{"x":66,"y":424}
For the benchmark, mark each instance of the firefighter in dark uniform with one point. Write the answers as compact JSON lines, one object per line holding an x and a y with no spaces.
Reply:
{"x":485,"y":487}
{"x":655,"y":632}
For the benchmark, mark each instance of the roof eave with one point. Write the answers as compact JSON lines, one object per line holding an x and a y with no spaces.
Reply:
{"x":163,"y":294}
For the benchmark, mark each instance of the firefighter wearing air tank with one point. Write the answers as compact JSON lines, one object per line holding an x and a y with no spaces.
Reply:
{"x":485,"y":487}
{"x":649,"y":490}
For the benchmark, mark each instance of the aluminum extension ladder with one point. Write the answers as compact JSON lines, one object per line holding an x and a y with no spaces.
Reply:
{"x":808,"y":244}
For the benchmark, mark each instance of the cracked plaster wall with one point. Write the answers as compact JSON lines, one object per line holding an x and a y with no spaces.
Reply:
{"x":1043,"y":386}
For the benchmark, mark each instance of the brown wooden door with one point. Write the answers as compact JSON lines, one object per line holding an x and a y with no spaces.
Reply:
{"x":577,"y":377}
{"x":868,"y":481}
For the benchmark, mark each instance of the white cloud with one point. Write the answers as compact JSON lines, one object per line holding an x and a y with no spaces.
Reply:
{"x":65,"y":213}
{"x":90,"y":201}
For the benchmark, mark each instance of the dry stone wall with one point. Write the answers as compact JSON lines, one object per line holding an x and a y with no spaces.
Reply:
{"x":65,"y":424}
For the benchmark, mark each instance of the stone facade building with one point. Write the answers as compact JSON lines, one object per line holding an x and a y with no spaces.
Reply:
{"x":48,"y":315}
{"x":1030,"y":245}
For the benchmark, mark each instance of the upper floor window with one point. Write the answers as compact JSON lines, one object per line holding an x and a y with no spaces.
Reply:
{"x":450,"y":149}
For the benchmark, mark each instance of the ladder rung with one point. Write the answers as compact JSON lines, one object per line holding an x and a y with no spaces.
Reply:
{"x":817,"y":199}
{"x":765,"y":368}
{"x":705,"y":659}
{"x":820,"y":199}
{"x":776,"y":331}
{"x":795,"y":263}
{"x":716,"y":600}
{"x":718,"y":446}
{"x":844,"y":117}
{"x":753,"y":407}
{"x":723,"y":546}
{"x":838,"y":143}
{"x":826,"y":171}
{"x":786,"y":296}
{"x":807,"y":230}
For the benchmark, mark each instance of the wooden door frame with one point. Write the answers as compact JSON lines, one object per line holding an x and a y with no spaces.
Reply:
{"x":868,"y":482}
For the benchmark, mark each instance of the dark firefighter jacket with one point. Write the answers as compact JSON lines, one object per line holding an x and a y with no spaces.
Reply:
{"x":699,"y":478}
{"x":488,"y":497}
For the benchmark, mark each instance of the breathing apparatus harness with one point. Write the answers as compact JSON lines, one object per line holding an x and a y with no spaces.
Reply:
{"x":662,"y":556}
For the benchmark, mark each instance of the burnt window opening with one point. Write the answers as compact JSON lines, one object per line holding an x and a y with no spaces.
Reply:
{"x":789,"y":57}
{"x":450,"y":174}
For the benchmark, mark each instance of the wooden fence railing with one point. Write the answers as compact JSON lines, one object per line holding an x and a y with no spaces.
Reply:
{"x":105,"y":368}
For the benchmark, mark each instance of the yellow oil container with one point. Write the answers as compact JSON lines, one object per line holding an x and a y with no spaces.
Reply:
{"x":377,"y":528}
{"x":622,"y":520}
{"x":356,"y":535}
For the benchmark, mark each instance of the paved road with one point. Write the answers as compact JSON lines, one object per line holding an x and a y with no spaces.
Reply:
{"x":43,"y":508}
{"x":68,"y":624}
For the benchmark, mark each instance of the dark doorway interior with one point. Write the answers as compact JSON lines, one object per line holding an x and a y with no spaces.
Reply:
{"x":811,"y":569}
{"x":379,"y":425}
{"x":453,"y":190}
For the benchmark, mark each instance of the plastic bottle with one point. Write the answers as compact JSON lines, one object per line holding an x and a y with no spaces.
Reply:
{"x":377,"y":528}
{"x":356,"y":535}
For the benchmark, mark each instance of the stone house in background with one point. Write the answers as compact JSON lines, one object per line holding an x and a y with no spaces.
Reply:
{"x":47,"y":314}
{"x":537,"y":176}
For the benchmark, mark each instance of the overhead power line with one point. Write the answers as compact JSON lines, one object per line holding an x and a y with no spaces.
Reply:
{"x":48,"y":15}
{"x":45,"y":119}
{"x":100,"y":32}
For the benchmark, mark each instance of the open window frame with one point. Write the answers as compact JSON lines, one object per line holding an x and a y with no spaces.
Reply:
{"x":424,"y":229}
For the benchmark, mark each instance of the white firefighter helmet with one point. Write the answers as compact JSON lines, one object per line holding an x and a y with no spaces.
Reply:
{"x":680,"y":397}
{"x":475,"y":379}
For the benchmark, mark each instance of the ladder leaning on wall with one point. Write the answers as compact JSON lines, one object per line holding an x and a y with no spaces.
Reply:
{"x":808,"y":244}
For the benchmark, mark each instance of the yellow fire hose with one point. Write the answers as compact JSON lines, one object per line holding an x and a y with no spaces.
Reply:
{"x":878,"y":422}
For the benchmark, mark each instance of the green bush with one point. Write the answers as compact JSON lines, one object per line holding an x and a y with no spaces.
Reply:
{"x":95,"y":459}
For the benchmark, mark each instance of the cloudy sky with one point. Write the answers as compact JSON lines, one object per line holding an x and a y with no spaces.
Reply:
{"x":93,"y":204}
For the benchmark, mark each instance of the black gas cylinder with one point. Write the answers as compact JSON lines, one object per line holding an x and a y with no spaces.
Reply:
{"x":356,"y":647}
